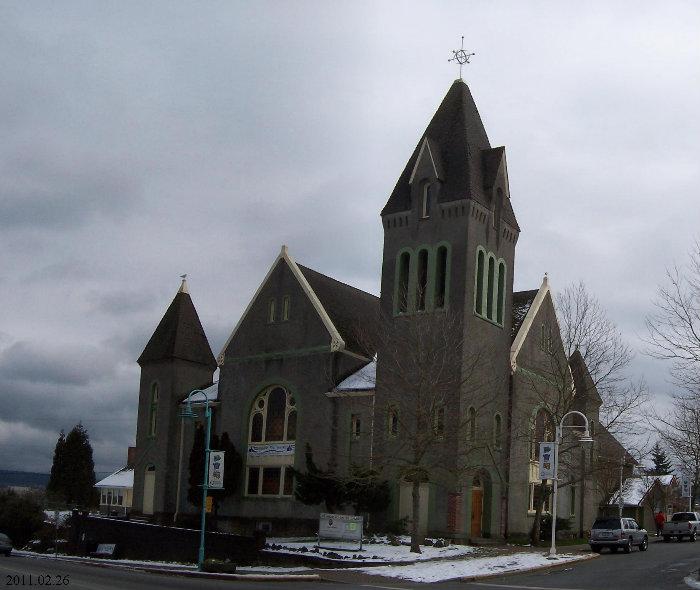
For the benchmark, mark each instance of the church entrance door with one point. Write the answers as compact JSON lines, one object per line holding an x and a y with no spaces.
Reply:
{"x":477,"y":507}
{"x":149,"y":488}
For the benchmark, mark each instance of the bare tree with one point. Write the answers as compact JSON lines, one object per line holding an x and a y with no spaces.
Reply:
{"x":430,"y":382}
{"x":585,"y":358}
{"x":674,"y":326}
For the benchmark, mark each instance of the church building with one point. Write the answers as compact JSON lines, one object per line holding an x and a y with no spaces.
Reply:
{"x":305,"y":367}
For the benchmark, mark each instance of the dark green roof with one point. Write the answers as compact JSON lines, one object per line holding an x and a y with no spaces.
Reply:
{"x":179,"y":335}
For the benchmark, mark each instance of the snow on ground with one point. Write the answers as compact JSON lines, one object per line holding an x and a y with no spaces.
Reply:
{"x":458,"y":568}
{"x":377,"y":551}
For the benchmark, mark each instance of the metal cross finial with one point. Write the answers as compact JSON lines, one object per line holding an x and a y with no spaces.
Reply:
{"x":461,"y":57}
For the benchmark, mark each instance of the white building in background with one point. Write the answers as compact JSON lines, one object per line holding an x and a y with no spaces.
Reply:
{"x":116,"y":491}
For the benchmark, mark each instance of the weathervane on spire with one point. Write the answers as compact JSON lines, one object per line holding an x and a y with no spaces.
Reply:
{"x":461,"y":57}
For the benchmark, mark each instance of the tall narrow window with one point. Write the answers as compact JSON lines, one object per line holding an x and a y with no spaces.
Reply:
{"x":356,"y":426}
{"x":422,"y":284}
{"x":479,"y":295}
{"x":471,"y":425}
{"x":402,"y":293}
{"x":501,"y":292}
{"x":428,"y":195}
{"x":393,"y":422}
{"x":285,"y":308}
{"x":153,"y":414}
{"x":439,"y":421}
{"x":276,"y":402}
{"x":441,"y":277}
{"x":572,"y":501}
{"x":489,"y":288}
{"x":497,"y":428}
{"x":271,"y":310}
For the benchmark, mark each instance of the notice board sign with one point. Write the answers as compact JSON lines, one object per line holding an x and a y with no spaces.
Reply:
{"x":547,"y":459}
{"x":340,"y":527}
{"x":216,"y":470}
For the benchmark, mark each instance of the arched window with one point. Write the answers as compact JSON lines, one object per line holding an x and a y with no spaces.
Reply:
{"x":500,"y":298}
{"x":153,"y":413}
{"x":271,"y":310}
{"x":489,"y":288}
{"x":285,"y":308}
{"x":479,"y":295}
{"x":439,"y":421}
{"x":497,"y":431}
{"x":428,"y":196}
{"x":271,"y":436}
{"x":441,"y":277}
{"x":392,"y":422}
{"x":422,"y":283}
{"x":471,"y":425}
{"x":404,"y":269}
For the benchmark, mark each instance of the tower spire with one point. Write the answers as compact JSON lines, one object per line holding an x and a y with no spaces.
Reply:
{"x":461,"y":57}
{"x":183,"y":285}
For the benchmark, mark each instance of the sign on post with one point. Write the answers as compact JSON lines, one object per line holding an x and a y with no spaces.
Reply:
{"x":210,"y":504}
{"x":546,"y":460}
{"x":340,"y":527}
{"x":216,"y":470}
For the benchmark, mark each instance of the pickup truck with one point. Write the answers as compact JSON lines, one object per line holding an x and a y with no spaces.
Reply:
{"x":682,"y":524}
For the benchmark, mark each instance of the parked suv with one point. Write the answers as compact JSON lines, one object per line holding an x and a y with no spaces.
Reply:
{"x":615,"y":532}
{"x":5,"y":544}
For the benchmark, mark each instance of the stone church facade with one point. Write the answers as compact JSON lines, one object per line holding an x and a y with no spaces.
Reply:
{"x":296,"y":370}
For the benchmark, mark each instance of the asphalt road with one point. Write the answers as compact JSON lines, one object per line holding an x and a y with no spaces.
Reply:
{"x":663,"y":566}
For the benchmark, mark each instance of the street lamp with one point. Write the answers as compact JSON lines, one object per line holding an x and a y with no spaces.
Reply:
{"x":586,"y":438}
{"x":189,"y":413}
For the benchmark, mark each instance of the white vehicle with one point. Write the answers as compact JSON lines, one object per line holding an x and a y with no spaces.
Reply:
{"x":681,"y":525}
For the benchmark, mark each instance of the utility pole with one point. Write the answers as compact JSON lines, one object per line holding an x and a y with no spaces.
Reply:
{"x":620,"y":502}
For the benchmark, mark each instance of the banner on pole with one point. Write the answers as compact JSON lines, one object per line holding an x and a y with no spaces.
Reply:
{"x":546,"y":460}
{"x":216,"y":470}
{"x":685,"y":487}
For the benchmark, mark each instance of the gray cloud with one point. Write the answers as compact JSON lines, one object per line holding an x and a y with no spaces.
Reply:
{"x":141,"y":141}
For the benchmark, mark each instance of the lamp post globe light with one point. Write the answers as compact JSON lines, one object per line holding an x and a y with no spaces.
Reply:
{"x":189,"y":413}
{"x":586,"y":438}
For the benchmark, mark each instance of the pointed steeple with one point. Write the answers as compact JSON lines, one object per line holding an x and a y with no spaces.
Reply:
{"x":458,"y":141}
{"x":179,"y":334}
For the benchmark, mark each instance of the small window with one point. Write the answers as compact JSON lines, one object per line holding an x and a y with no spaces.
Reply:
{"x":285,"y":308}
{"x":479,"y":295}
{"x":500,"y":297}
{"x":393,"y":422}
{"x":271,"y":311}
{"x":489,"y":288}
{"x":288,"y":481}
{"x":471,"y":425}
{"x":497,"y":429}
{"x":253,"y":480}
{"x":271,"y":481}
{"x":572,"y":501}
{"x":428,"y":196}
{"x":439,"y":421}
{"x":355,"y":426}
{"x":441,"y":277}
{"x":546,"y":338}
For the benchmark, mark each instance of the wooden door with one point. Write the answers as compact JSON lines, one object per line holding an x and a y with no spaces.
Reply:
{"x":477,"y":511}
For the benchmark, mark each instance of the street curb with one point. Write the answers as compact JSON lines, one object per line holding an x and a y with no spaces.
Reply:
{"x":527,"y":570}
{"x":191,"y":573}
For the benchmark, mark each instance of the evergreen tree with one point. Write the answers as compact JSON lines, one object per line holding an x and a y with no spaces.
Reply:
{"x":196,"y":464}
{"x":662,"y":465}
{"x":79,"y":483}
{"x":56,"y":488}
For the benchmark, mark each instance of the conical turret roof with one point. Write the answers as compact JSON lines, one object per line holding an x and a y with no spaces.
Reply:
{"x":179,"y":334}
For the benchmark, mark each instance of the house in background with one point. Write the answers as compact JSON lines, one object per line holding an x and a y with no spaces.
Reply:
{"x":644,"y":495}
{"x":116,"y":492}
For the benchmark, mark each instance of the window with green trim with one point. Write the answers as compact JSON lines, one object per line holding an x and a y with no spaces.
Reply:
{"x":402,"y":287}
{"x":471,"y":425}
{"x":479,"y":295}
{"x":153,"y":413}
{"x":441,"y":261}
{"x":490,"y":287}
{"x":422,"y":282}
{"x":285,"y":308}
{"x":500,"y":297}
{"x":497,"y":431}
{"x":271,"y":310}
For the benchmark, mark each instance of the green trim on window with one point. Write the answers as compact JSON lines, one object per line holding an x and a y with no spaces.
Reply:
{"x":479,"y":282}
{"x":448,"y":274}
{"x":489,"y":290}
{"x":426,"y":295}
{"x":397,"y":280}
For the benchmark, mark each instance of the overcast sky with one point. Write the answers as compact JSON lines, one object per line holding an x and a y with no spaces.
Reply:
{"x":143,"y":140}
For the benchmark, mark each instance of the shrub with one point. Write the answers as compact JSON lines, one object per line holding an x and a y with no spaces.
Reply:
{"x":20,"y":516}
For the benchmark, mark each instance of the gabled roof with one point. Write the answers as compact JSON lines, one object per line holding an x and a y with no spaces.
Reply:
{"x":364,"y":379}
{"x":122,"y":478}
{"x":528,"y":307}
{"x":179,"y":334}
{"x":343,"y":309}
{"x":522,"y":301}
{"x":458,"y":143}
{"x":349,"y":308}
{"x":211,"y":393}
{"x":583,"y":382}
